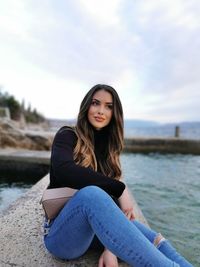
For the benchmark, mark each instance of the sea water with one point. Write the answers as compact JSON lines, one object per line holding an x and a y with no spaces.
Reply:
{"x":167,"y":189}
{"x":11,"y":192}
{"x":13,"y":185}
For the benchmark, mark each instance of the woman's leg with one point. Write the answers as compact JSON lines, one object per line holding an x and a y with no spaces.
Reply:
{"x":69,"y":235}
{"x":162,"y":244}
{"x":92,"y":211}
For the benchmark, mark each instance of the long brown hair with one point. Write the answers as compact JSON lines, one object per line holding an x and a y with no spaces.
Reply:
{"x":84,"y":149}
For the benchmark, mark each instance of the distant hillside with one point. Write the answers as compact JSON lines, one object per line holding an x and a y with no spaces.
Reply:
{"x":139,"y":123}
{"x":56,"y":123}
{"x":185,"y":123}
{"x":128,"y":123}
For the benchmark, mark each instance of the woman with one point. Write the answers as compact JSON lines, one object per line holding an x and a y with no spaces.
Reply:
{"x":87,"y":158}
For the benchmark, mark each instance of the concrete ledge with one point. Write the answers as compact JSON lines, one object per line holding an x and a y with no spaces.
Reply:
{"x":21,"y":234}
{"x":162,"y":145}
{"x":133,"y":145}
{"x":32,"y":164}
{"x":25,"y":155}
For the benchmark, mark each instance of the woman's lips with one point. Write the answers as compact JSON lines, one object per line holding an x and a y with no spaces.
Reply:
{"x":99,"y":119}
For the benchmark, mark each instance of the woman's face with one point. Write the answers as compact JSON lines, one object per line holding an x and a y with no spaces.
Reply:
{"x":101,"y":109}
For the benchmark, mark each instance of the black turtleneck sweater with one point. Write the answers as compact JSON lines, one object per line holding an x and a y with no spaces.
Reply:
{"x":65,"y":172}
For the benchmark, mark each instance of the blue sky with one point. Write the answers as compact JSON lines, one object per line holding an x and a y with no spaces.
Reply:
{"x":53,"y":52}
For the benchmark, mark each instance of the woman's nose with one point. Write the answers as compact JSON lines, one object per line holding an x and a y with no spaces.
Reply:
{"x":101,"y":110}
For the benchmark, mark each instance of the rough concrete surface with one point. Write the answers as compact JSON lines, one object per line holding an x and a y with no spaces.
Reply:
{"x":21,"y":242}
{"x":25,"y":155}
{"x":162,"y":145}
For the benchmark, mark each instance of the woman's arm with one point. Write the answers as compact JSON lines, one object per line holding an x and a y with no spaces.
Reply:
{"x":126,"y":204}
{"x":65,"y":172}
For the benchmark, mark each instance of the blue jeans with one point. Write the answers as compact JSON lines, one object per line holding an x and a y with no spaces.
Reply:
{"x":92,"y":212}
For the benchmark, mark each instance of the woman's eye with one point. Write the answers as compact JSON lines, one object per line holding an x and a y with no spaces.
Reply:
{"x":94,"y":103}
{"x":110,"y":106}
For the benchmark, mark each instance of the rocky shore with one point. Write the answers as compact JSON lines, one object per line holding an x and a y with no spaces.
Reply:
{"x":12,"y":136}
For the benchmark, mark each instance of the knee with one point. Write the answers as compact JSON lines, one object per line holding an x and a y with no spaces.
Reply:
{"x":159,"y":239}
{"x":92,"y":193}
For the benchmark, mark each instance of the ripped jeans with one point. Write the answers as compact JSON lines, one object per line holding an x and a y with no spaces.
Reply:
{"x":92,"y":212}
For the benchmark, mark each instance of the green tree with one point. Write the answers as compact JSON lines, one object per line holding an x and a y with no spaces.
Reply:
{"x":9,"y":101}
{"x":16,"y":109}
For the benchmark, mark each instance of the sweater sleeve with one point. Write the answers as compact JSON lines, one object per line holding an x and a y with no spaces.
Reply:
{"x":65,"y":172}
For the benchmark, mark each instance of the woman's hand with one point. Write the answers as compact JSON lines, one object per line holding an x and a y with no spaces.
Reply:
{"x":126,"y":204}
{"x":108,"y":259}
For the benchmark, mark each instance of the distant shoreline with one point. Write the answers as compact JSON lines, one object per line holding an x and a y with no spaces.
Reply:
{"x":139,"y":128}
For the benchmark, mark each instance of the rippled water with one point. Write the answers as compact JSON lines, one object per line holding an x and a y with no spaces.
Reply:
{"x":13,"y":185}
{"x":167,"y":189}
{"x":10,"y":193}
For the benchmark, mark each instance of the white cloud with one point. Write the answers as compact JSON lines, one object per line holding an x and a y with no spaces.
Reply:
{"x":104,"y":13}
{"x":176,"y":13}
{"x":15,"y":21}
